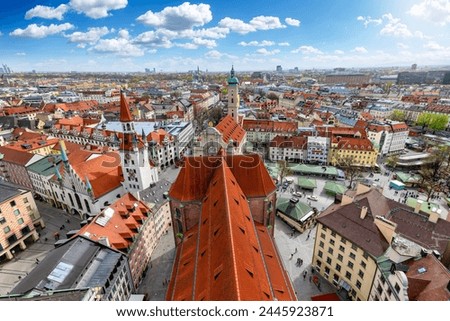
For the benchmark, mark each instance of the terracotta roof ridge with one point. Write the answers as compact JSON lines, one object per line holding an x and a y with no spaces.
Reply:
{"x":223,"y":168}
{"x":196,"y":257}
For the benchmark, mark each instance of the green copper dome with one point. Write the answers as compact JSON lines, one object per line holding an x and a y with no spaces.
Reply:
{"x":232,"y":80}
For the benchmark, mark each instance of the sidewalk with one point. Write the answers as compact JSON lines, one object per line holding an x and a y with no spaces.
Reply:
{"x":160,"y":269}
{"x":287,"y":245}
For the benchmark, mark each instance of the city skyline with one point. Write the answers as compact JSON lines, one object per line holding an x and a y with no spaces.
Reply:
{"x":177,"y":36}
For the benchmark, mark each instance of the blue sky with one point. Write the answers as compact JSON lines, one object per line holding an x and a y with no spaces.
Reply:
{"x":130,"y":35}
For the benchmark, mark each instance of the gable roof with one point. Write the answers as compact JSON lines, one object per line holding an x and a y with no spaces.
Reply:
{"x":346,"y":221}
{"x":430,"y":285}
{"x":128,"y":214}
{"x":230,"y":130}
{"x":193,"y":179}
{"x":227,"y":257}
{"x":18,"y":157}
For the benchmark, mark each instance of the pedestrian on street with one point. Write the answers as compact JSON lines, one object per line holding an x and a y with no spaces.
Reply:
{"x":292,"y":255}
{"x":304,"y":274}
{"x":295,"y":250}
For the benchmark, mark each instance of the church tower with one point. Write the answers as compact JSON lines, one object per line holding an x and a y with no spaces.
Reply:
{"x":233,"y":95}
{"x":137,"y":171}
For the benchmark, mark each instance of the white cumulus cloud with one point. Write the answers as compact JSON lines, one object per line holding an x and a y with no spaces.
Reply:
{"x":35,"y":31}
{"x":154,"y":39}
{"x":265,"y":52}
{"x":292,"y":22}
{"x":256,"y":23}
{"x":119,"y":46}
{"x":236,"y":25}
{"x":436,"y":11}
{"x":284,"y":44}
{"x":360,"y":50}
{"x":394,"y":27}
{"x":368,"y":20}
{"x":432,"y":45}
{"x":185,"y":16}
{"x":266,"y":23}
{"x":97,"y":8}
{"x":47,"y":12}
{"x":264,"y":43}
{"x":90,"y":37}
{"x":306,"y":50}
{"x":214,"y":54}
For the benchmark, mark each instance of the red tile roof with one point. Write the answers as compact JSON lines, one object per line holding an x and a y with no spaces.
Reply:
{"x":226,"y":257}
{"x":102,"y":171}
{"x":78,"y":106}
{"x":348,"y":143}
{"x":128,"y":215}
{"x":230,"y":130}
{"x":32,"y":144}
{"x":24,"y":134}
{"x":21,"y":110}
{"x":297,"y":142}
{"x":430,"y":285}
{"x":77,"y":121}
{"x":270,"y":126}
{"x":158,"y":136}
{"x":193,"y":179}
{"x":15,"y":156}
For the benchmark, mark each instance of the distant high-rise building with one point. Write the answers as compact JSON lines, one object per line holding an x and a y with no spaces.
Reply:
{"x":414,"y":67}
{"x":279,"y":68}
{"x":6,"y":69}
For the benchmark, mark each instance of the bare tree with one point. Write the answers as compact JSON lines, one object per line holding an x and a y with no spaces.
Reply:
{"x":347,"y":164}
{"x":283,"y":169}
{"x":434,"y":174}
{"x":215,"y":114}
{"x":200,"y":117}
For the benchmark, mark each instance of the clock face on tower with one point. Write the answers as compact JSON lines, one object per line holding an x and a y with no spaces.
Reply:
{"x":127,"y":156}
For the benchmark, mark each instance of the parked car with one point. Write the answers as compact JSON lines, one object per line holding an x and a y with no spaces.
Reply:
{"x":312,"y":197}
{"x":298,"y":194}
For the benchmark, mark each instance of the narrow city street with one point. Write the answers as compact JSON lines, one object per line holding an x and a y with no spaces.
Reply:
{"x":12,"y":271}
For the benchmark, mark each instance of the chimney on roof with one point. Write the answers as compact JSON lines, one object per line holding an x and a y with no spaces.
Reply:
{"x":418,"y":206}
{"x":433,"y":218}
{"x":363,"y":213}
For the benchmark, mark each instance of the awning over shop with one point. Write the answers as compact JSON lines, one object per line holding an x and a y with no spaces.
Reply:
{"x":334,"y":188}
{"x":307,"y":183}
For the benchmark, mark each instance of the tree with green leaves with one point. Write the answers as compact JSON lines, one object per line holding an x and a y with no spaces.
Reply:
{"x":398,"y":115}
{"x":392,"y":161}
{"x":432,"y":121}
